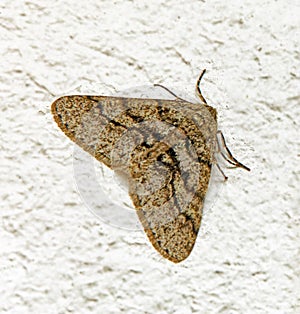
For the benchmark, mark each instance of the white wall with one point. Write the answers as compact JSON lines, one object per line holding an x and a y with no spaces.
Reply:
{"x":57,"y":257}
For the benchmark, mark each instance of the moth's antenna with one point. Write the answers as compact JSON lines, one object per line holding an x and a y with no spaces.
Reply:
{"x":169,"y":91}
{"x":198,"y":91}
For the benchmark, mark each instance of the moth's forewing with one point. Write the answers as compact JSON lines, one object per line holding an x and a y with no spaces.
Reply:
{"x":163,"y":147}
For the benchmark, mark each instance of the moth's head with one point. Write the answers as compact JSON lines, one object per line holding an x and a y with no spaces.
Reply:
{"x":212,"y":111}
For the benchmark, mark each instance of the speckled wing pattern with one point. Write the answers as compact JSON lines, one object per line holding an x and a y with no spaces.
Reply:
{"x":163,"y":147}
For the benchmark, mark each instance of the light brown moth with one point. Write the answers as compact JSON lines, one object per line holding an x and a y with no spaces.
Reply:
{"x":165,"y":150}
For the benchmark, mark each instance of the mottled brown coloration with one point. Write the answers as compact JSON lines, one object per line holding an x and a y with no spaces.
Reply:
{"x":165,"y":150}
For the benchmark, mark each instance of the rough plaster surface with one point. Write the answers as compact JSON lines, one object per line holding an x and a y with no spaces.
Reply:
{"x":57,"y":257}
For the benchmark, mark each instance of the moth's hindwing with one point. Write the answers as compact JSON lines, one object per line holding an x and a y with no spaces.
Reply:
{"x":163,"y":147}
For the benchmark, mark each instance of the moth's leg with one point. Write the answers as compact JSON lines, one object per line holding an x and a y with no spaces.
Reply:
{"x":229,"y":158}
{"x":222,"y":172}
{"x":215,"y":161}
{"x":198,"y":91}
{"x":169,"y":91}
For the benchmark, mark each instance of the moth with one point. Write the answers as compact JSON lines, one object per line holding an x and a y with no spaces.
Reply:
{"x":164,"y":149}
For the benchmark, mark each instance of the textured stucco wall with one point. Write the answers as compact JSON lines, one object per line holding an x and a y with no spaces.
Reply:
{"x":57,"y":257}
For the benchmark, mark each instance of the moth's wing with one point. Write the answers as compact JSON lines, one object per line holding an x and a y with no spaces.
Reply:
{"x":171,"y":228}
{"x":88,"y":121}
{"x":170,"y":176}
